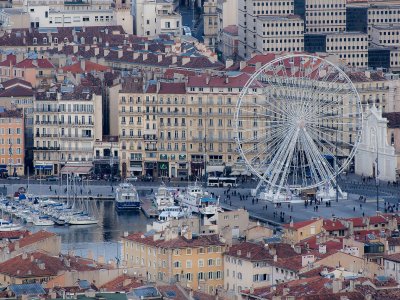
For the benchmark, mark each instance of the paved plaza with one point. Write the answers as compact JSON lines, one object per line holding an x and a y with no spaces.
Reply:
{"x":353,"y":207}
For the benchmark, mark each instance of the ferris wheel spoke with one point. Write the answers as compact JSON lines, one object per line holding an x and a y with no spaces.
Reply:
{"x":322,"y":136}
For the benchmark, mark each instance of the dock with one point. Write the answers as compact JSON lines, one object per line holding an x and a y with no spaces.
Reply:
{"x":149,"y":209}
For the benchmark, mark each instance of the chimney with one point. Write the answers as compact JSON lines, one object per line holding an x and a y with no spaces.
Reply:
{"x":174,"y":59}
{"x":258,"y":65}
{"x":248,"y":254}
{"x":144,"y":56}
{"x":127,"y":282}
{"x":90,"y":254}
{"x":159,"y":58}
{"x":336,"y":286}
{"x":285,"y":291}
{"x":135,"y":55}
{"x":75,"y":48}
{"x":242,"y":64}
{"x":188,"y":234}
{"x":106,"y":51}
{"x":228,"y":63}
{"x":100,"y":259}
{"x":207,"y":79}
{"x":322,"y":249}
{"x":185,"y":60}
{"x":24,"y":255}
{"x":120,"y":53}
{"x":146,"y":46}
{"x":83,"y":65}
{"x":297,"y":249}
{"x":66,"y":262}
{"x":16,"y":245}
{"x":87,"y":47}
{"x":239,"y":252}
{"x":275,"y":258}
{"x":227,"y":79}
{"x":126,"y":233}
{"x":96,"y":51}
{"x":32,"y":258}
{"x":42,"y":266}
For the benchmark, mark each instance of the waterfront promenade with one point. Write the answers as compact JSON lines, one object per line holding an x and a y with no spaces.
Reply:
{"x":353,"y":207}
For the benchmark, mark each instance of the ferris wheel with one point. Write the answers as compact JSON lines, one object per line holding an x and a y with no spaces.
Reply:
{"x":298,"y":123}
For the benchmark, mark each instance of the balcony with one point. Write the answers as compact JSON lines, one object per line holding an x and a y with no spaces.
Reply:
{"x":150,"y":149}
{"x":46,"y":135}
{"x":46,"y":148}
{"x":115,"y":159}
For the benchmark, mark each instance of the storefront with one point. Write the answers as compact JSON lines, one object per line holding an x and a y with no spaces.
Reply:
{"x":150,"y":168}
{"x":3,"y":171}
{"x":182,"y":171}
{"x":42,"y":170}
{"x":163,"y":166}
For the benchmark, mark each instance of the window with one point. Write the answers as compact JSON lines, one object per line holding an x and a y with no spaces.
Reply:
{"x":201,"y":263}
{"x":177,"y":264}
{"x":210,"y":262}
{"x":189,"y":264}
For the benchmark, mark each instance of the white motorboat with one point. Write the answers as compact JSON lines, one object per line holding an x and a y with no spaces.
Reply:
{"x":166,"y":216}
{"x":198,"y":201}
{"x":40,"y":221}
{"x":9,"y":226}
{"x":81,"y":220}
{"x":126,"y":197}
{"x":163,"y":198}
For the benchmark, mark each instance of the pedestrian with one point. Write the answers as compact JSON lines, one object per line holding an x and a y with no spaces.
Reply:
{"x":266,"y":207}
{"x":252,"y":201}
{"x":354,"y":208}
{"x":49,"y":187}
{"x":55,"y":192}
{"x":360,"y":206}
{"x":112,"y":189}
{"x":230,"y":203}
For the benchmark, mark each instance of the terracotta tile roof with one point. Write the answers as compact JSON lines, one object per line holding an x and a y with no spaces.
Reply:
{"x":89,"y":67}
{"x":362,"y":235}
{"x":42,"y":63}
{"x":38,"y":264}
{"x":261,"y":58}
{"x":31,"y":239}
{"x":292,"y":263}
{"x":172,"y":88}
{"x":330,"y":225}
{"x":169,"y":73}
{"x":298,"y":225}
{"x":283,"y":250}
{"x":123,"y":283}
{"x":17,"y":91}
{"x":238,"y":81}
{"x":250,"y":251}
{"x":316,"y":272}
{"x":13,"y":234}
{"x":10,"y":60}
{"x":335,"y":296}
{"x":16,"y":82}
{"x":393,"y":257}
{"x":179,"y":242}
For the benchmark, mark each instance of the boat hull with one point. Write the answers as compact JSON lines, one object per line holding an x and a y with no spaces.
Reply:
{"x":134,"y":205}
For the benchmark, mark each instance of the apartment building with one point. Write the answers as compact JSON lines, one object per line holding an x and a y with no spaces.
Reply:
{"x":227,"y":11}
{"x":229,"y":41}
{"x":152,"y":17}
{"x":280,"y":33}
{"x":350,"y":48}
{"x":249,"y":12}
{"x":173,"y":129}
{"x":210,"y":22}
{"x":194,"y":262}
{"x":12,"y":149}
{"x":67,"y":122}
{"x":325,"y":16}
{"x":385,"y":35}
{"x":74,"y":13}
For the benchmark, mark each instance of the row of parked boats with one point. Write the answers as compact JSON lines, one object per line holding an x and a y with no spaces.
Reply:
{"x":41,"y":211}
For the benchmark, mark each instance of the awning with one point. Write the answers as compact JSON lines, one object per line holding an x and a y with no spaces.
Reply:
{"x":77,"y":170}
{"x":136,"y":169}
{"x":44,"y":167}
{"x":211,"y":169}
{"x":235,"y":173}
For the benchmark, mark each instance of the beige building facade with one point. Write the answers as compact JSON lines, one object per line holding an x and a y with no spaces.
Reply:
{"x":325,"y":16}
{"x":350,"y":47}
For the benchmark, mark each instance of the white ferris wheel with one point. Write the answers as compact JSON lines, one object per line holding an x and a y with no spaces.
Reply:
{"x":298,"y":124}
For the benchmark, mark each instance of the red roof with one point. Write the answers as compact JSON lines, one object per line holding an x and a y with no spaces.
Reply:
{"x":16,"y":82}
{"x":231,"y":29}
{"x":10,"y":60}
{"x":42,"y":63}
{"x":89,"y":67}
{"x":169,"y":73}
{"x":38,"y":264}
{"x":299,"y":225}
{"x":238,"y":81}
{"x":13,"y":234}
{"x":31,"y":239}
{"x":17,"y":91}
{"x":123,"y":283}
{"x":261,"y":58}
{"x":330,"y":225}
{"x":250,"y":251}
{"x":172,"y":88}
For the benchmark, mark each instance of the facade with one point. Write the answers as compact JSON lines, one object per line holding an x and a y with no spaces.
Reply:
{"x":154,"y":17}
{"x":14,"y":18}
{"x":67,"y":124}
{"x":68,"y":13}
{"x":280,"y":33}
{"x":385,"y":35}
{"x":375,"y":154}
{"x":296,"y":232}
{"x":227,"y":11}
{"x":247,"y":265}
{"x":229,"y":42}
{"x":210,"y":21}
{"x":350,"y":47}
{"x":195,"y":262}
{"x":12,"y":149}
{"x":249,"y":12}
{"x":325,"y":16}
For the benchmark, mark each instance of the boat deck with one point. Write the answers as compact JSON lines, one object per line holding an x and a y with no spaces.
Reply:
{"x":148,"y":208}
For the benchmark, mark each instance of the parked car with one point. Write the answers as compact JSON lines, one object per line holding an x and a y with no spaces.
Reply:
{"x":147,"y":177}
{"x":52,"y":178}
{"x":132,"y":179}
{"x":13,"y":178}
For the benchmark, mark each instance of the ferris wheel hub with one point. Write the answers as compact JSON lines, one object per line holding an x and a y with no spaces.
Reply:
{"x":301,"y":123}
